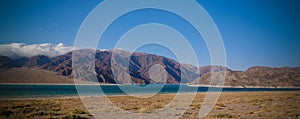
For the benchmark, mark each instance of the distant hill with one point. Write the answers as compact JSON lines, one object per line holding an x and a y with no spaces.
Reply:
{"x":139,"y":66}
{"x":256,"y":76}
{"x":32,"y":75}
{"x":37,"y":61}
{"x":4,"y":61}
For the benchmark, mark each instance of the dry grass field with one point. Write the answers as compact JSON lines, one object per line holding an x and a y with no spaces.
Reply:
{"x":35,"y":76}
{"x":32,"y":75}
{"x":230,"y":105}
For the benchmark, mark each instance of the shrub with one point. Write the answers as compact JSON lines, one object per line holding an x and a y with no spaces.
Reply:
{"x":79,"y":111}
{"x":71,"y":116}
{"x":223,"y":115}
{"x":6,"y":112}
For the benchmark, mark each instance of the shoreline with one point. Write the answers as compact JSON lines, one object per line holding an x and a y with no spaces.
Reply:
{"x":55,"y":84}
{"x":106,"y":84}
{"x":137,"y":95}
{"x":229,"y":105}
{"x":242,"y":86}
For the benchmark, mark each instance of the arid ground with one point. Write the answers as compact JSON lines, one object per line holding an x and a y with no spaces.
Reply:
{"x":230,"y":105}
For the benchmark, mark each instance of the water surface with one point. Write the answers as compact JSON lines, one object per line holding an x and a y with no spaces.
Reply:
{"x":36,"y":90}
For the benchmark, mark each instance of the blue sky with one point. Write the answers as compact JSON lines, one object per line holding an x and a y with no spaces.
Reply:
{"x":255,"y":32}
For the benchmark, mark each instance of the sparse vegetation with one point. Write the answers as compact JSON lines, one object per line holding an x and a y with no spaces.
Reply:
{"x":43,"y":108}
{"x":71,"y":116}
{"x":223,"y":115}
{"x":234,"y":105}
{"x":79,"y":111}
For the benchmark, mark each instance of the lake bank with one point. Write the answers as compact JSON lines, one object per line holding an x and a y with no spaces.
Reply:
{"x":8,"y":91}
{"x":96,"y":83}
{"x":230,"y":104}
{"x":243,"y":86}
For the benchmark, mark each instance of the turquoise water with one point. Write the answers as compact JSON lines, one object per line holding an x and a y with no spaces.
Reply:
{"x":31,"y":90}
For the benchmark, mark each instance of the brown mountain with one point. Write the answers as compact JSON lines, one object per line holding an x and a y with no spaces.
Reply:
{"x":4,"y":61}
{"x":37,"y":61}
{"x":61,"y":64}
{"x":206,"y":69}
{"x":139,"y":65}
{"x":256,"y":76}
{"x":164,"y":70}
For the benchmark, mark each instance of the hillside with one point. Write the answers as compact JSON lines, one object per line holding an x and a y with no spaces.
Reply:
{"x":35,"y":75}
{"x":32,"y":75}
{"x":256,"y":76}
{"x":139,"y":66}
{"x":164,"y":70}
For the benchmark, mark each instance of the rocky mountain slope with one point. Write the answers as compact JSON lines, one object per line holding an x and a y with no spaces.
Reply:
{"x":139,"y":65}
{"x":255,"y":76}
{"x":4,"y":61}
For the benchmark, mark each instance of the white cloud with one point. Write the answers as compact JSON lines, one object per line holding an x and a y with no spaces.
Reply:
{"x":16,"y":50}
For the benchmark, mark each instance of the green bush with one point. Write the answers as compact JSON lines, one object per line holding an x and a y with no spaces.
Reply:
{"x":223,"y":115}
{"x":79,"y":111}
{"x":71,"y":116}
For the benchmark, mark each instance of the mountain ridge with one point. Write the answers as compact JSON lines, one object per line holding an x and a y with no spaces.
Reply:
{"x":140,"y":64}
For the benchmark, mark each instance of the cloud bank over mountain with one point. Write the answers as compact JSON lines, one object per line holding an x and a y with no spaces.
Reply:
{"x":16,"y":50}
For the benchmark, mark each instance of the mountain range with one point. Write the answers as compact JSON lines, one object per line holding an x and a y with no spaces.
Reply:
{"x":140,"y":64}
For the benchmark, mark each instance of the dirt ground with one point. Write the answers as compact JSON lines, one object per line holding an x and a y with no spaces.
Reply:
{"x":230,"y":105}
